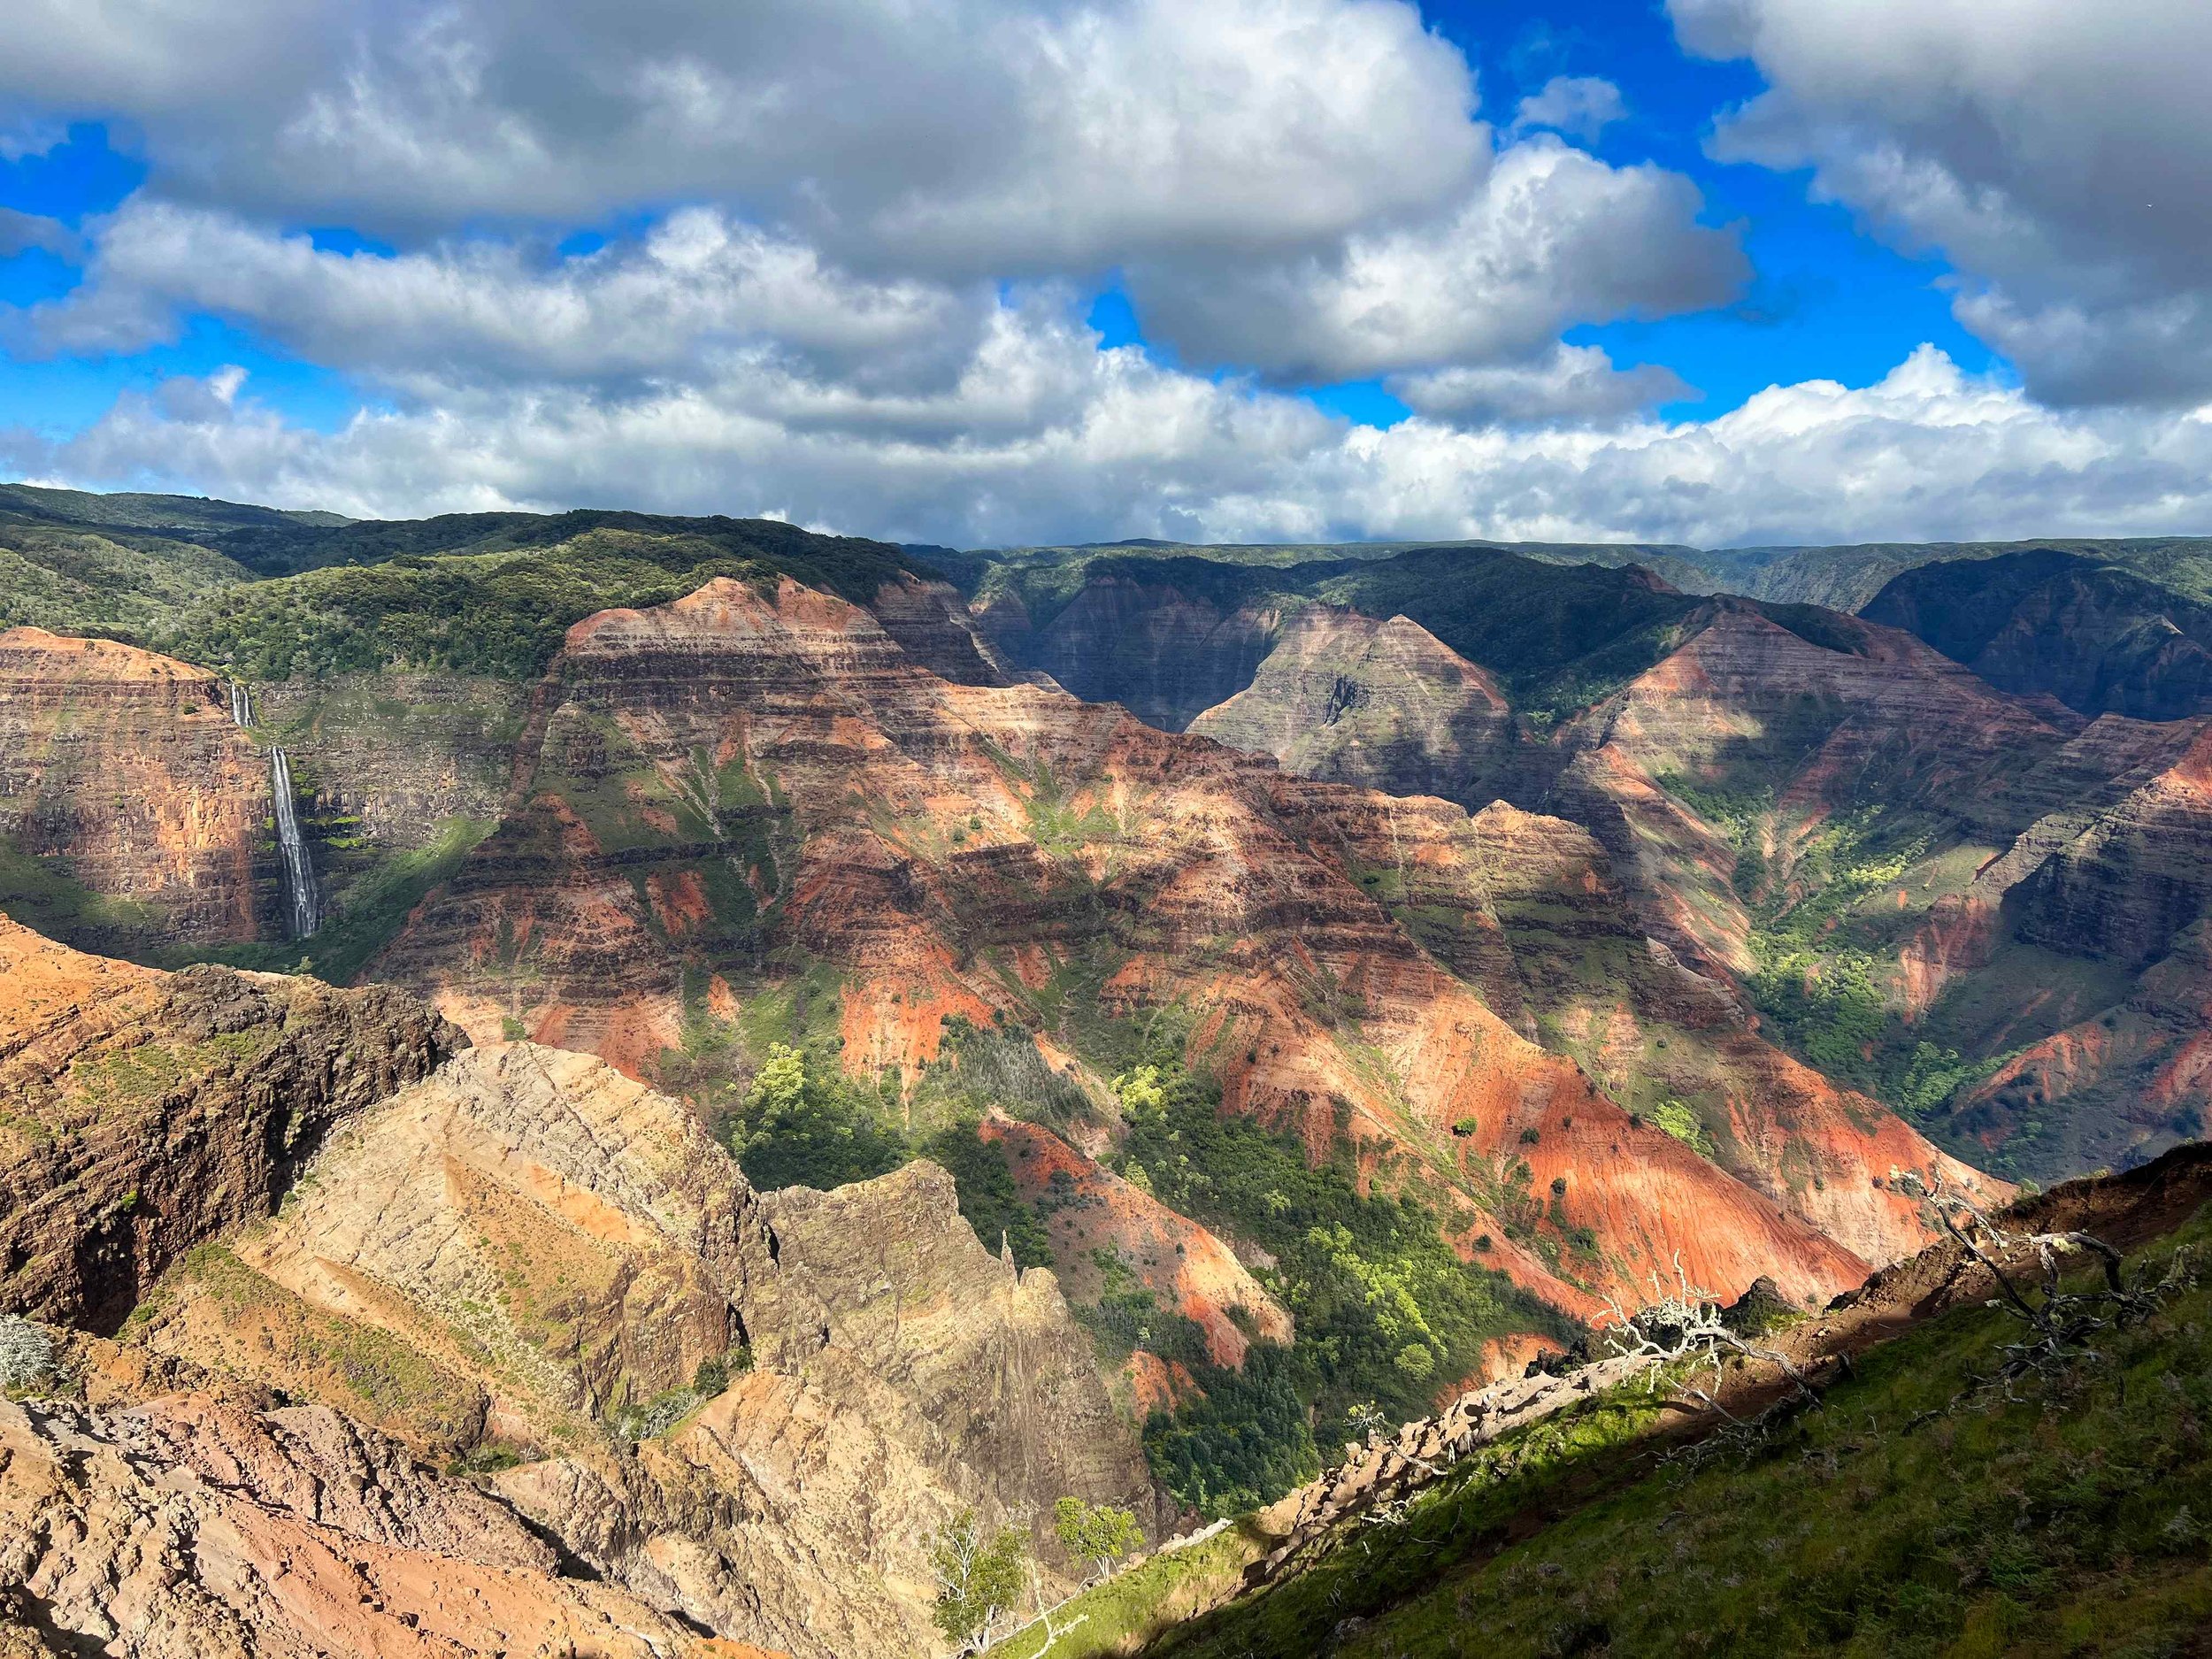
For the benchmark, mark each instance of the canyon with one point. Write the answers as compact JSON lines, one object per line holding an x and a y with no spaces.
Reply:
{"x":1196,"y":998}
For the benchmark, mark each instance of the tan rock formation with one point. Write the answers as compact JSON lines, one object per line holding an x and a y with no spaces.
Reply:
{"x":1383,"y":704}
{"x":554,"y":1252}
{"x":192,"y":1527}
{"x":146,"y":1112}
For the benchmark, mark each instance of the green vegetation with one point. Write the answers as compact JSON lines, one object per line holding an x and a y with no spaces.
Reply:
{"x":1242,"y":1443}
{"x":378,"y":1377}
{"x":481,"y":593}
{"x":1677,"y":1118}
{"x":802,"y":1122}
{"x":805,"y":1127}
{"x":501,"y":613}
{"x":378,"y":905}
{"x":1100,"y":1536}
{"x":1910,"y":1515}
{"x":980,"y":1575}
{"x":42,"y":895}
{"x":988,"y":1199}
{"x":1387,"y":1312}
{"x":1146,"y":1600}
{"x":72,"y":580}
{"x":144,"y":1073}
{"x":1823,"y":944}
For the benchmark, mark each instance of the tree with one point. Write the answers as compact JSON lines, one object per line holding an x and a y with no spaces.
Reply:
{"x":1102,"y":1535}
{"x":802,"y":1126}
{"x":978,"y":1577}
{"x":780,"y":1085}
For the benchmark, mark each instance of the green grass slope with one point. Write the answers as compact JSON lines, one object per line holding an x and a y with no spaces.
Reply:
{"x":1908,"y":1514}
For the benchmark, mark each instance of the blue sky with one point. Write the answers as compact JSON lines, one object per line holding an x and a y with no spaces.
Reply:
{"x":289,"y":253}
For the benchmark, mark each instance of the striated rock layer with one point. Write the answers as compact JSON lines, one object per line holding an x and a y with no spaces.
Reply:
{"x":189,"y":1527}
{"x":134,"y":807}
{"x":731,"y":774}
{"x":1997,"y":873}
{"x":1384,"y":704}
{"x":142,"y":1113}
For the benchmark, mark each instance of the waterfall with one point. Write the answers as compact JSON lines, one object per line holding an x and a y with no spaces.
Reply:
{"x":299,"y":874}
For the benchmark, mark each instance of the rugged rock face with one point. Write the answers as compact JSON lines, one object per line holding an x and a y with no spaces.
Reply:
{"x":2044,"y":621}
{"x":1089,"y":1210}
{"x":146,"y":1112}
{"x":191,"y":1525}
{"x":2121,"y":874}
{"x":1163,"y":653}
{"x":1994,"y":871}
{"x":1383,"y":704}
{"x":728,"y":774}
{"x":751,"y":1411}
{"x":932,"y":626}
{"x":1814,"y":727}
{"x":131,"y":810}
{"x":2135,"y":873}
{"x":396,"y":755}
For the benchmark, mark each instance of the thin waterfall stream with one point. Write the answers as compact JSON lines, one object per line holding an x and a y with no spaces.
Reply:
{"x":306,"y":906}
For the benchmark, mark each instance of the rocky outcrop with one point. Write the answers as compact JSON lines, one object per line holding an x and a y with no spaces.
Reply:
{"x":1161,"y":651}
{"x":142,"y":1113}
{"x":193,"y":1526}
{"x":132,"y":809}
{"x":1383,"y":704}
{"x":751,"y":1411}
{"x":395,"y":757}
{"x":1394,"y":1468}
{"x":2133,"y":874}
{"x":932,"y":626}
{"x":2043,"y":621}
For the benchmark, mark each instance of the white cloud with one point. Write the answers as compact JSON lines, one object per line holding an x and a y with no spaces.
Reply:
{"x":1287,"y":187}
{"x":974,"y":137}
{"x":1581,"y":106}
{"x":1552,"y":237}
{"x":1567,"y":383}
{"x":479,"y":312}
{"x":1044,"y":437}
{"x":2058,"y":154}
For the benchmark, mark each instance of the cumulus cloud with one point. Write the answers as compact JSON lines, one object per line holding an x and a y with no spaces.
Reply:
{"x":2058,"y":155}
{"x":990,"y":137}
{"x":1566,"y":384}
{"x":482,"y":313}
{"x":1291,"y":188}
{"x":1581,"y":106}
{"x":1046,"y":437}
{"x":1552,"y":237}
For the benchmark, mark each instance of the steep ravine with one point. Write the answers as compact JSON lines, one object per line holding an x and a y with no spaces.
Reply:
{"x":731,"y":1412}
